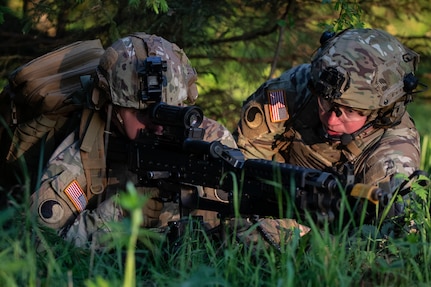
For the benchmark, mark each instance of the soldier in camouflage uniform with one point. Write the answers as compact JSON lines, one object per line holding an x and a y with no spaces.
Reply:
{"x":348,"y":106}
{"x":87,"y":170}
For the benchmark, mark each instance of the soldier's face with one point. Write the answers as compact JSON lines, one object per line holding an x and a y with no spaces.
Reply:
{"x":134,"y":121}
{"x":338,"y":120}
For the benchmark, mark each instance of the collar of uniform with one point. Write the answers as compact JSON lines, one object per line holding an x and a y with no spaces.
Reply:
{"x":364,"y":140}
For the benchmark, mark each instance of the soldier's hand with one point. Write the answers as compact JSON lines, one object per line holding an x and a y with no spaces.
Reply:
{"x":151,"y":212}
{"x":152,"y":207}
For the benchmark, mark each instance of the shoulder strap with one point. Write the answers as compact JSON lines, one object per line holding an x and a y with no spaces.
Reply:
{"x":93,"y":152}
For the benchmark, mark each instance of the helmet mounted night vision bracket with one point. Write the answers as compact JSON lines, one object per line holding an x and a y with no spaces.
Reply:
{"x":151,"y":78}
{"x":332,"y":83}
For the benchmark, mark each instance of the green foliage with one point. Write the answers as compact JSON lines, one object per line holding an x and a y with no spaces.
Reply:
{"x":426,"y":153}
{"x":156,"y":5}
{"x":3,"y":10}
{"x":396,"y":254}
{"x":234,"y":46}
{"x":132,"y":203}
{"x":349,"y":15}
{"x":419,"y":111}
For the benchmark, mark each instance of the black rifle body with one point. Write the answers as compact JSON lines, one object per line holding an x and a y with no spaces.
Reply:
{"x":179,"y":157}
{"x":260,"y":187}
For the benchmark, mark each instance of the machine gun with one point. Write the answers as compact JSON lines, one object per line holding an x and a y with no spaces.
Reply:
{"x":179,"y":157}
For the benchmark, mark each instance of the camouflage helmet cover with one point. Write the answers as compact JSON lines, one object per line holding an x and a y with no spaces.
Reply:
{"x":372,"y":64}
{"x":118,"y":71}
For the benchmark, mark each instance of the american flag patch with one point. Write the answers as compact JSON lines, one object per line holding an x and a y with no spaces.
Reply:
{"x":76,"y":195}
{"x":277,"y":106}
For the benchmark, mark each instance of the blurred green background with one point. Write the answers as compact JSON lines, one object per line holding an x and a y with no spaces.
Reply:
{"x":234,"y":45}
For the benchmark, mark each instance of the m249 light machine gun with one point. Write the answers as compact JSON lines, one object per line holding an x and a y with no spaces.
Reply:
{"x":179,"y":157}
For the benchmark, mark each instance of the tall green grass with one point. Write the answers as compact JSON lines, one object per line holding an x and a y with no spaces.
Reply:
{"x":33,"y":256}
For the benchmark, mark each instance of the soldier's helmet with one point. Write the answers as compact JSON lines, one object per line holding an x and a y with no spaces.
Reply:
{"x":141,"y":69}
{"x":365,"y":69}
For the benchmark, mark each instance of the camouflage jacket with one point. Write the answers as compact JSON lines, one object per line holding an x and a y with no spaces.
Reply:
{"x":280,"y":121}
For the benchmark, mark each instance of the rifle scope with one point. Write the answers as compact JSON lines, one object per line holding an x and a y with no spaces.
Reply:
{"x":186,"y":117}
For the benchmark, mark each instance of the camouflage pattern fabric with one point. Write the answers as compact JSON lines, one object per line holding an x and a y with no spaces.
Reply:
{"x":275,"y":232}
{"x":373,"y":64}
{"x":257,"y":133}
{"x":217,"y":132}
{"x":51,"y":202}
{"x":397,"y":152}
{"x":41,"y":106}
{"x":91,"y":227}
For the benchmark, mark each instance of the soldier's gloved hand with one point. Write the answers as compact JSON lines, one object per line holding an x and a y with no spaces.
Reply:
{"x":151,"y":212}
{"x":153,"y":206}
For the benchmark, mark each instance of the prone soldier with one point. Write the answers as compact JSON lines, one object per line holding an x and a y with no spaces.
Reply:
{"x":89,"y":168}
{"x":344,"y":110}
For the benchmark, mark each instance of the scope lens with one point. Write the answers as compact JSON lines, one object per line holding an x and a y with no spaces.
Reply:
{"x":193,"y":119}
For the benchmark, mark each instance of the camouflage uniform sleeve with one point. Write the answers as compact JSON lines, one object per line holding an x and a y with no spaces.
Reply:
{"x":61,"y":194}
{"x":215,"y":131}
{"x":265,"y":112}
{"x":62,"y":204}
{"x":396,"y":157}
{"x":91,"y":227}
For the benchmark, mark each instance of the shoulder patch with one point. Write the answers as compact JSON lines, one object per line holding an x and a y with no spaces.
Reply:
{"x":74,"y":192}
{"x":277,"y":105}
